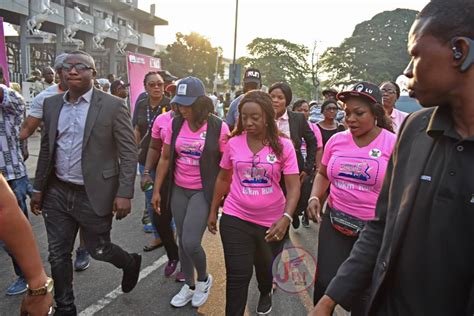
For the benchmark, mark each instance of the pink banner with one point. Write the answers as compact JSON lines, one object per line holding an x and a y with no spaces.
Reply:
{"x":138,"y":66}
{"x":3,"y":54}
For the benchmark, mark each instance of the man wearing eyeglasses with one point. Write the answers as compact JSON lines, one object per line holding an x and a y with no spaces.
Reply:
{"x":85,"y":176}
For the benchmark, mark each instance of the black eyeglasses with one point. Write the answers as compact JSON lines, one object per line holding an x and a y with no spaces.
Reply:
{"x":155,"y":84}
{"x":80,"y":67}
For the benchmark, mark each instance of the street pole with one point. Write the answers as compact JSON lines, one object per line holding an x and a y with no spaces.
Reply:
{"x":232,"y":80}
{"x":217,"y":68}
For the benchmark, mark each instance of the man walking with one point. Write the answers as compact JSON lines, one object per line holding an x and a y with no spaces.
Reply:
{"x":417,"y":257}
{"x":85,"y":176}
{"x":12,"y":167}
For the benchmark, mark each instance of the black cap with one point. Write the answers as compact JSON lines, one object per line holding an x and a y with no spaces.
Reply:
{"x":329,"y":90}
{"x":252,"y":75}
{"x":365,"y":90}
{"x":167,"y":77}
{"x":116,"y":84}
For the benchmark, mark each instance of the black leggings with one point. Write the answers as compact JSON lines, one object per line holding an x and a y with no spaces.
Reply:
{"x":245,"y":246}
{"x":163,"y":224}
{"x":333,"y":249}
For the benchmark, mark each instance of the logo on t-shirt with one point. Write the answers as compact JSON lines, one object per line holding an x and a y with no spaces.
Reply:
{"x":203,"y":135}
{"x":375,"y":153}
{"x":271,"y":158}
{"x":254,"y":174}
{"x":355,"y":170}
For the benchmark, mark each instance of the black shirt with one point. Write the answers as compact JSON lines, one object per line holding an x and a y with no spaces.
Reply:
{"x":327,"y":133}
{"x":434,"y":270}
{"x":143,"y":117}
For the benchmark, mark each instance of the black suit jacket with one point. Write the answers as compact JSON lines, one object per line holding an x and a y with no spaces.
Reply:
{"x":377,"y":247}
{"x":109,"y":152}
{"x":299,"y":129}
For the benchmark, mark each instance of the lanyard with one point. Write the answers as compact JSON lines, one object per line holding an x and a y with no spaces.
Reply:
{"x":149,"y":117}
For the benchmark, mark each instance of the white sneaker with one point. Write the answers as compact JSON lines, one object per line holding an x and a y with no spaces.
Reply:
{"x":202,"y":292}
{"x":183,"y":297}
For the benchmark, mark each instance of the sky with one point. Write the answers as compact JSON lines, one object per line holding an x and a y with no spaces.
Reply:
{"x":298,"y":21}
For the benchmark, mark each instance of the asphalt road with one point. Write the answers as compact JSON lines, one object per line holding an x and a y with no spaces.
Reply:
{"x":97,"y":290}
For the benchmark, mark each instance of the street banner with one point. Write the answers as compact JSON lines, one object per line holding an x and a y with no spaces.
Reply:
{"x":138,"y":65}
{"x":3,"y":54}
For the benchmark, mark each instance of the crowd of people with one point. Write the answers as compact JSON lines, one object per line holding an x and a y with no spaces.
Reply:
{"x":392,"y":193}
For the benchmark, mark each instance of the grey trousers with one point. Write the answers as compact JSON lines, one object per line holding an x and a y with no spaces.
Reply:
{"x":190,"y":211}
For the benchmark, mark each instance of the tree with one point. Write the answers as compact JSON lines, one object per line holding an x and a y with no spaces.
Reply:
{"x":280,"y":60}
{"x":376,"y":51}
{"x":192,"y":55}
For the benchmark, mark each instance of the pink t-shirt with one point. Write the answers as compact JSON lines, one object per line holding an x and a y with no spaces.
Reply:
{"x":189,"y":146}
{"x":397,"y":117}
{"x":356,"y":174}
{"x":255,"y":193}
{"x":319,"y":139}
{"x":160,"y":126}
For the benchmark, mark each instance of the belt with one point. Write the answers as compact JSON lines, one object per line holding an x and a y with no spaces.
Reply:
{"x":70,"y":185}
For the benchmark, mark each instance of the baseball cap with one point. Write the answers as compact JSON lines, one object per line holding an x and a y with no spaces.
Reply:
{"x":188,"y":90}
{"x":329,"y":90}
{"x":117,"y":84}
{"x":252,"y":75}
{"x":363,"y":89}
{"x":58,"y":62}
{"x":167,"y":77}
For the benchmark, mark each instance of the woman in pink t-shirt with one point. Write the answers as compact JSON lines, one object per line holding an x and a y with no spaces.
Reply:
{"x":192,"y":149}
{"x":256,"y":214}
{"x":353,"y":165}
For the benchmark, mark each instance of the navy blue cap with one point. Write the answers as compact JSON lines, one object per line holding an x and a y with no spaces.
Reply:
{"x":188,"y":90}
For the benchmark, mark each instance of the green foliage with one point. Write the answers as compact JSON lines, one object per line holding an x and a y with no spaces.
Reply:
{"x":376,"y":51}
{"x":192,"y":55}
{"x":280,"y":60}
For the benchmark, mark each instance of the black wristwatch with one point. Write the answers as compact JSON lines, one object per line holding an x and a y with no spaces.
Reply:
{"x":47,"y":288}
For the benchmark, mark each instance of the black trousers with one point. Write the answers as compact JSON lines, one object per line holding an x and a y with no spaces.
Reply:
{"x":66,"y":207}
{"x":333,"y":249}
{"x":162,"y":223}
{"x":245,"y":247}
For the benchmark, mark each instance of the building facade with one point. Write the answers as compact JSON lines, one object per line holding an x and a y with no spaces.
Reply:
{"x":103,"y":28}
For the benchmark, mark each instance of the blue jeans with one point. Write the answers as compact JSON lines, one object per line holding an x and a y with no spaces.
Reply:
{"x":148,"y":196}
{"x":21,"y":188}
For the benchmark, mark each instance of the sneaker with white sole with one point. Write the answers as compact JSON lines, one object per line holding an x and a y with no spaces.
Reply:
{"x":184,"y":296}
{"x":202,"y":292}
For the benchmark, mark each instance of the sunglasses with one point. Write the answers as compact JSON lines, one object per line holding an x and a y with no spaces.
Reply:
{"x":155,"y":84}
{"x":80,"y":67}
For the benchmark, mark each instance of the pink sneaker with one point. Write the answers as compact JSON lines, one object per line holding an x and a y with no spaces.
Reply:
{"x":180,"y":277}
{"x":171,"y":267}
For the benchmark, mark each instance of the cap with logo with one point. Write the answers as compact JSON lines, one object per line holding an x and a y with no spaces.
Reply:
{"x":252,"y":75}
{"x":188,"y":90}
{"x":365,"y":90}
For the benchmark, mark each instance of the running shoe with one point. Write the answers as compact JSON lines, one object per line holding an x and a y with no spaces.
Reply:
{"x":17,"y":287}
{"x":202,"y":292}
{"x":82,"y":260}
{"x":180,"y":277}
{"x":184,"y":296}
{"x":264,"y":306}
{"x":171,"y":267}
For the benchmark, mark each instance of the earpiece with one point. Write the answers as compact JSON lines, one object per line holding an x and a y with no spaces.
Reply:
{"x":458,"y":54}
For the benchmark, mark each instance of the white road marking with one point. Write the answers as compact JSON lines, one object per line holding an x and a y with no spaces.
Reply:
{"x":110,"y":297}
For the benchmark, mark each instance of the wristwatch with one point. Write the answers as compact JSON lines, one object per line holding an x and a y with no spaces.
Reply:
{"x":47,"y":288}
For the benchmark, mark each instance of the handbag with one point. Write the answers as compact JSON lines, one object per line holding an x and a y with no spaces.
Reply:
{"x":346,"y":224}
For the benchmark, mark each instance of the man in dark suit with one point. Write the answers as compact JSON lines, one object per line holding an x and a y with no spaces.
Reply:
{"x":85,"y":174}
{"x":417,"y":257}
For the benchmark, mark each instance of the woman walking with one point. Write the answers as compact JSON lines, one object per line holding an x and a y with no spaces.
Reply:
{"x":191,"y":154}
{"x":256,"y":214}
{"x":353,"y":165}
